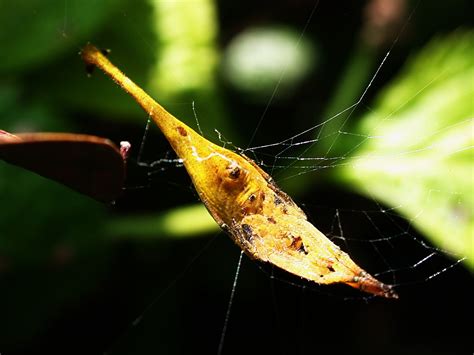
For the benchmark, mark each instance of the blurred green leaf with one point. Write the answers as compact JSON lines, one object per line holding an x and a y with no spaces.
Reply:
{"x":169,"y":49}
{"x":186,"y":67}
{"x":263,"y":59}
{"x":47,"y":33}
{"x":131,"y":41}
{"x":184,"y":221}
{"x":417,"y":154}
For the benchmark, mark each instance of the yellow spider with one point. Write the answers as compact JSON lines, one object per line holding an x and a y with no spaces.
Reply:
{"x":244,"y":200}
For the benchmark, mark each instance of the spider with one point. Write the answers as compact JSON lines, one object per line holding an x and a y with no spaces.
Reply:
{"x":246,"y":202}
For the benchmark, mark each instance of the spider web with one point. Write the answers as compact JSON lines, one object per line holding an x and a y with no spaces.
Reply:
{"x":278,"y":312}
{"x":377,"y":234}
{"x":390,"y":230}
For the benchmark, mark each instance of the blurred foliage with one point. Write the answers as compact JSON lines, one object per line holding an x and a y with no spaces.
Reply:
{"x":39,"y":91}
{"x":417,"y":152}
{"x":38,"y":38}
{"x":184,"y":222}
{"x":62,"y":245}
{"x":268,"y":62}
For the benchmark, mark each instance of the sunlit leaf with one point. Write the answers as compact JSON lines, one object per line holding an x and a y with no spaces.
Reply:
{"x":175,"y":57}
{"x":185,"y":221}
{"x":418,"y":154}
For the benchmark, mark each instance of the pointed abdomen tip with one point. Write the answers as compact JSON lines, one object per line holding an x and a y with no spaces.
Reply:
{"x":369,"y":284}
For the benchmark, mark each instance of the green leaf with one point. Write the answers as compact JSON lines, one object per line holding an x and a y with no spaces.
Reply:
{"x":169,"y":49}
{"x":48,"y":28}
{"x":186,"y":221}
{"x":417,"y":154}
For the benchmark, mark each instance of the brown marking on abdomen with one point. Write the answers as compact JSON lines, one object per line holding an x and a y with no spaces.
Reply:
{"x":271,"y":220}
{"x":248,"y":232}
{"x":182,"y":131}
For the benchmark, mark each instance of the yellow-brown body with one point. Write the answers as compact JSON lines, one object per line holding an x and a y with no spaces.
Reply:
{"x":246,"y":203}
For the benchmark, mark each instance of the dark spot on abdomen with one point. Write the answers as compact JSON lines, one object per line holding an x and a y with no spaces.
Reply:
{"x":182,"y":131}
{"x":235,"y":173}
{"x":277,"y":201}
{"x":253,"y":204}
{"x":247,"y":231}
{"x":297,"y":244}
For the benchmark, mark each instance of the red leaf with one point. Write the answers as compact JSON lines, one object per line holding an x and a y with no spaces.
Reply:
{"x":88,"y":164}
